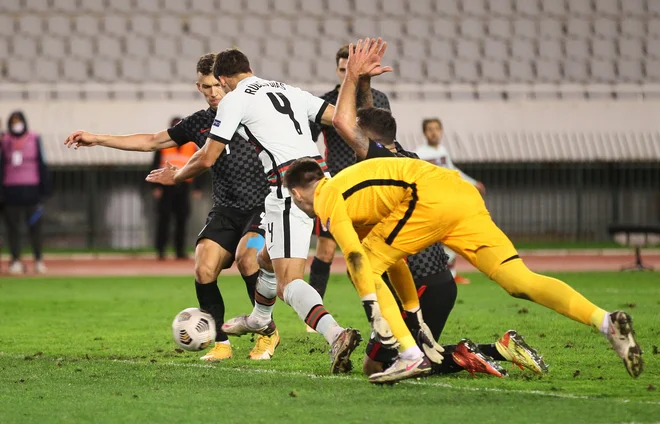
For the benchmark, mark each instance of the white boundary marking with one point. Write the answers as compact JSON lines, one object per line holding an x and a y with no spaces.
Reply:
{"x":424,"y":383}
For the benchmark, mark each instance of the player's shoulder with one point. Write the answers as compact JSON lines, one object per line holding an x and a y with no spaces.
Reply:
{"x":331,"y":95}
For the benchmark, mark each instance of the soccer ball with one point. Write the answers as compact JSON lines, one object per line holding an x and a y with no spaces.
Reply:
{"x":193,"y":329}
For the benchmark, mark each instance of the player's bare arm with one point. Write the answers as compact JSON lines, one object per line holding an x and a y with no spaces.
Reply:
{"x":198,"y":163}
{"x":363,"y":62}
{"x":132,"y":142}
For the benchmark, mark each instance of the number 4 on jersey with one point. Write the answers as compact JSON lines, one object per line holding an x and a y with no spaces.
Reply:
{"x":284,"y":109}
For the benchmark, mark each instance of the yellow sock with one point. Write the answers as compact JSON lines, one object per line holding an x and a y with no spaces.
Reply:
{"x":404,"y":285}
{"x":390,"y":311}
{"x":552,"y":293}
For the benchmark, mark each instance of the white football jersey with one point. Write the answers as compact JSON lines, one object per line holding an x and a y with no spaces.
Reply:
{"x":274,"y":116}
{"x":439,"y":155}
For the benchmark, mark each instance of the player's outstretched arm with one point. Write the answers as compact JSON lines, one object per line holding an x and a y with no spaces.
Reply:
{"x":198,"y":163}
{"x":132,"y":142}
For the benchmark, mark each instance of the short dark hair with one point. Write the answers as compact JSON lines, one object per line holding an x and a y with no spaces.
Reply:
{"x":378,"y":121}
{"x":430,"y":120}
{"x":231,"y":62}
{"x":342,"y":53}
{"x":302,"y":172}
{"x":205,"y":64}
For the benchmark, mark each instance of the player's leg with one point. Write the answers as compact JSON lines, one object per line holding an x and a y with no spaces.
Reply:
{"x":164,"y":210}
{"x":246,"y":260}
{"x":499,"y":260}
{"x":34,"y":223}
{"x":13,"y":221}
{"x":181,"y":215}
{"x":451,"y":264}
{"x":319,"y":271}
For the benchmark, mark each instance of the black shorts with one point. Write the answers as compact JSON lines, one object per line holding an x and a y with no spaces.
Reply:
{"x":437,"y":293}
{"x":226,"y":226}
{"x":319,"y":231}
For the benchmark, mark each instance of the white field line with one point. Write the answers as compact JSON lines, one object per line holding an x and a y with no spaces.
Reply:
{"x":424,"y":383}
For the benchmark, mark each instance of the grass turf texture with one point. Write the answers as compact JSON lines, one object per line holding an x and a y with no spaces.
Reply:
{"x":81,"y":350}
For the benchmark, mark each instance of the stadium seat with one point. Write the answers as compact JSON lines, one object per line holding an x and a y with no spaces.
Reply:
{"x":301,"y":73}
{"x":476,"y":8}
{"x":472,"y":28}
{"x":367,"y":8}
{"x":251,"y":47}
{"x":325,"y":71}
{"x":185,"y":71}
{"x":654,"y":27}
{"x":577,"y":48}
{"x":65,"y":5}
{"x":115,"y":24}
{"x":553,"y":10}
{"x":394,"y":8}
{"x":276,"y":48}
{"x":444,"y":27}
{"x":577,"y":28}
{"x":92,"y":6}
{"x":413,"y":49}
{"x":524,"y":28}
{"x":579,"y":8}
{"x":495,"y":49}
{"x":576,"y":71}
{"x":604,"y":49}
{"x":411,"y":71}
{"x":304,"y":48}
{"x":340,"y":8}
{"x":603,"y":70}
{"x":287,"y":8}
{"x":74,"y":70}
{"x":335,"y":27}
{"x":138,"y":46}
{"x":47,"y":70}
{"x":313,"y":8}
{"x":466,"y":71}
{"x":528,"y":8}
{"x":550,"y":28}
{"x":653,"y":7}
{"x":273,"y":69}
{"x":253,"y":27}
{"x":631,"y":48}
{"x":550,"y":49}
{"x":200,"y":25}
{"x":548,"y":70}
{"x":417,"y":28}
{"x":191,"y":47}
{"x":132,"y":70}
{"x":57,"y":25}
{"x":390,"y":29}
{"x":653,"y":49}
{"x":281,"y":27}
{"x":170,"y":24}
{"x":441,"y":7}
{"x":441,"y":49}
{"x":521,"y":71}
{"x":104,"y":70}
{"x":31,"y":25}
{"x":467,"y":49}
{"x":523,"y":49}
{"x":108,"y":47}
{"x":121,"y":6}
{"x":19,"y":70}
{"x":225,"y":26}
{"x":439,"y":70}
{"x":53,"y":47}
{"x":164,"y":47}
{"x":633,"y":8}
{"x":203,"y":6}
{"x":7,"y":27}
{"x":500,"y":8}
{"x":365,"y":27}
{"x":499,"y":27}
{"x":86,"y":24}
{"x":494,"y":71}
{"x":630,"y":70}
{"x":81,"y":47}
{"x":607,"y":7}
{"x":653,"y":69}
{"x":4,"y":50}
{"x":24,"y":46}
{"x":177,"y":6}
{"x":308,"y":27}
{"x":605,"y":28}
{"x":143,"y":25}
{"x":632,"y":27}
{"x":158,"y":69}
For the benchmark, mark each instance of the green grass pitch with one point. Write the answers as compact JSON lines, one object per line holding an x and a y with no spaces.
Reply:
{"x":100,"y":350}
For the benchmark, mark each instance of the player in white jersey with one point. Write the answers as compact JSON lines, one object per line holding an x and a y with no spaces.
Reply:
{"x":435,"y":152}
{"x":273,"y":116}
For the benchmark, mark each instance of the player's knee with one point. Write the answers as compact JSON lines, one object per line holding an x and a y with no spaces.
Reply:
{"x":264,"y":262}
{"x":246,"y":262}
{"x":517,"y":280}
{"x":369,"y":366}
{"x":205,"y":272}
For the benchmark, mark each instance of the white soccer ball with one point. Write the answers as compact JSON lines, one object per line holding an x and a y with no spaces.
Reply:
{"x":193,"y":329}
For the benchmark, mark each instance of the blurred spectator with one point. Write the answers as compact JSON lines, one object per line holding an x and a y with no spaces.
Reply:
{"x":435,"y":152}
{"x":25,"y":185}
{"x":174,"y":200}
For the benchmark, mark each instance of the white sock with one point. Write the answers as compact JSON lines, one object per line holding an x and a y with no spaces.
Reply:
{"x":307,"y":303}
{"x":413,"y":352}
{"x":225,"y":342}
{"x":371,"y":297}
{"x":264,"y":300}
{"x":605,"y":325}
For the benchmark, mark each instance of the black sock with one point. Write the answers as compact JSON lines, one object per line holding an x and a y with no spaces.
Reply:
{"x":438,"y":294}
{"x":251,"y":284}
{"x":491,"y":350}
{"x":319,"y":273}
{"x":210,"y":300}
